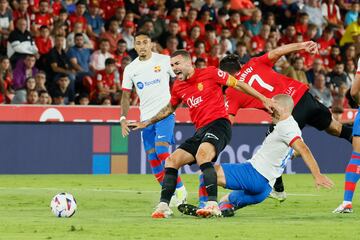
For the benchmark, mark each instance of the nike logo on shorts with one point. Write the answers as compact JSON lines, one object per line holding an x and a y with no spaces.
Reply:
{"x":210,"y":135}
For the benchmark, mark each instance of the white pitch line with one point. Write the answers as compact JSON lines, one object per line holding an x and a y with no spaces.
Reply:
{"x":126,"y":191}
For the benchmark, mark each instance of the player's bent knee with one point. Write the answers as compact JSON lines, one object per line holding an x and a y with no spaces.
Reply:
{"x":205,"y":154}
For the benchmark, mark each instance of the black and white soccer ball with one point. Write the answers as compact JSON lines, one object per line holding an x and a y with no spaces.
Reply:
{"x":63,"y":205}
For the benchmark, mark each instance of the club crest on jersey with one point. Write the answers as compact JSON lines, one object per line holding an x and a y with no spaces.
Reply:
{"x":200,"y":86}
{"x":157,"y":69}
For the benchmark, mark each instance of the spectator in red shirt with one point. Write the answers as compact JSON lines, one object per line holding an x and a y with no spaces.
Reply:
{"x":199,"y":51}
{"x":22,"y":12}
{"x":42,"y":18}
{"x":44,"y":42}
{"x":335,"y":56}
{"x":5,"y":80}
{"x":326,"y":41}
{"x":214,"y":56}
{"x":112,"y":34}
{"x":109,"y":7}
{"x":78,"y":15}
{"x":311,"y":32}
{"x":190,"y":20}
{"x":107,"y":80}
{"x":221,"y":20}
{"x":204,"y":19}
{"x":210,"y":37}
{"x":258,"y":42}
{"x":200,"y":63}
{"x":301,"y":24}
{"x":289,"y":37}
{"x":194,"y":35}
{"x":56,"y":7}
{"x":234,"y":20}
{"x":120,"y":52}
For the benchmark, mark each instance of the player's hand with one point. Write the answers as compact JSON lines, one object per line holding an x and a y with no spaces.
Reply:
{"x":138,"y":125}
{"x":323,"y":181}
{"x":269,"y":105}
{"x":311,"y":47}
{"x":125,"y":130}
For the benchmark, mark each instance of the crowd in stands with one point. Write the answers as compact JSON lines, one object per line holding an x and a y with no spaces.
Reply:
{"x":75,"y":52}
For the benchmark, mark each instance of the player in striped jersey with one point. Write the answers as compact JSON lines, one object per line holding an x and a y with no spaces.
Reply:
{"x":352,"y":173}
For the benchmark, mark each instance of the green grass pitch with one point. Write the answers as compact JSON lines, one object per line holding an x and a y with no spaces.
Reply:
{"x":119,"y":207}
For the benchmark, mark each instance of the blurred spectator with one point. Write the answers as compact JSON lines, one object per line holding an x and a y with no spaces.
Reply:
{"x":42,"y":18}
{"x":59,"y":63}
{"x":62,"y":93}
{"x":22,"y":12}
{"x":79,"y":57}
{"x":221,"y":21}
{"x":330,"y":60}
{"x":351,"y":31}
{"x":301,"y":25}
{"x":20,"y":95}
{"x":172,"y":30}
{"x":331,"y":12}
{"x":78,"y":29}
{"x":289,"y":36}
{"x":253,"y":26}
{"x":78,"y":15}
{"x":44,"y":97}
{"x":107,"y":81}
{"x":170,"y":4}
{"x":214,"y":56}
{"x":112,"y":34}
{"x":159,"y":23}
{"x":44,"y":42}
{"x":337,"y":77}
{"x":350,"y":53}
{"x":194,"y":35}
{"x":23,"y":70}
{"x":320,"y":91}
{"x":296,"y":71}
{"x":5,"y":80}
{"x":128,"y":34}
{"x":258,"y":42}
{"x":95,"y":23}
{"x":171,"y":45}
{"x":352,"y":15}
{"x":326,"y":41}
{"x":106,"y":101}
{"x":97,"y":58}
{"x":350,"y":71}
{"x":84,"y":99}
{"x":199,"y":51}
{"x":242,"y":52}
{"x":62,"y":23}
{"x":40,"y":81}
{"x":234,"y":21}
{"x":316,"y":17}
{"x":21,"y":43}
{"x":204,"y":19}
{"x":111,"y":8}
{"x":317,"y":68}
{"x":120,"y":52}
{"x":6,"y":24}
{"x":133,"y":7}
{"x":209,"y":6}
{"x":32,"y":97}
{"x":210,"y":37}
{"x":190,"y":20}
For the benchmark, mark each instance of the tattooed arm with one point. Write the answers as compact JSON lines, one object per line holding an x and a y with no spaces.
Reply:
{"x":163,"y":113}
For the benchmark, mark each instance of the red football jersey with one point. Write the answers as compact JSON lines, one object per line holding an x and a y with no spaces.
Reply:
{"x":258,"y":73}
{"x":202,"y":93}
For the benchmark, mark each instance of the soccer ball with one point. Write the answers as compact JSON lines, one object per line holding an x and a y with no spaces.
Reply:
{"x":63,"y":205}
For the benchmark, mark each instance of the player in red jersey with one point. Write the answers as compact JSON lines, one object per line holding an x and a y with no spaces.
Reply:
{"x":258,"y":73}
{"x":201,"y":91}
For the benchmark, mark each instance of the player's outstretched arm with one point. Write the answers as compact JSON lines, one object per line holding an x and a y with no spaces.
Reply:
{"x":241,"y":86}
{"x":310,"y":47}
{"x":125,"y":105}
{"x":163,"y":113}
{"x":303,"y":149}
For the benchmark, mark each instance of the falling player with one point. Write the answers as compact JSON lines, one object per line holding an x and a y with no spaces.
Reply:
{"x":201,"y":91}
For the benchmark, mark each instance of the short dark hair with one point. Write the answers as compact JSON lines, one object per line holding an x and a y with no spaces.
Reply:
{"x":121,"y":41}
{"x":181,"y":52}
{"x":109,"y":61}
{"x":142,"y":33}
{"x":200,"y":60}
{"x":42,"y":92}
{"x":230,"y":63}
{"x":78,"y":35}
{"x":104,"y":40}
{"x":63,"y":75}
{"x":43,"y":27}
